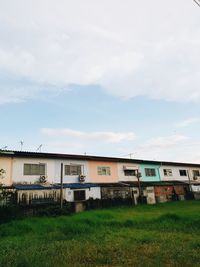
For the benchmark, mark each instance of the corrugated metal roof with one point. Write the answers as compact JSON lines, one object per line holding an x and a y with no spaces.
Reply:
{"x":13,"y":153}
{"x":32,"y":187}
{"x":120,"y":184}
{"x":157,"y":183}
{"x":54,"y":186}
{"x":78,"y":185}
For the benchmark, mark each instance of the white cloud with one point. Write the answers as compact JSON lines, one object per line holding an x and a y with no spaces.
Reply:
{"x":105,"y":137}
{"x":64,"y":147}
{"x":187,"y":122}
{"x":146,"y":48}
{"x":166,"y":142}
{"x":179,"y":148}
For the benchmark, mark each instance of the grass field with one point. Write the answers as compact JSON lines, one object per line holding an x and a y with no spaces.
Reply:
{"x":161,"y":235}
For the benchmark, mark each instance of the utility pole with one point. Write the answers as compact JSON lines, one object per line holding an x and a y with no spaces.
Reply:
{"x":139,"y":185}
{"x":188,"y":174}
{"x":61,"y":186}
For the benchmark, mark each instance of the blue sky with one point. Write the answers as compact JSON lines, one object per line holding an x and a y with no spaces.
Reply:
{"x":101,"y":78}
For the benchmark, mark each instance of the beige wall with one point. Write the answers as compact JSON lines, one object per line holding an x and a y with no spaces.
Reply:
{"x":122,"y":177}
{"x":6,"y":165}
{"x":95,"y":178}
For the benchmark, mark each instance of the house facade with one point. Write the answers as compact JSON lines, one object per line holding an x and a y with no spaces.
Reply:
{"x":127,"y":172}
{"x":150,"y":172}
{"x":94,"y":177}
{"x":6,"y":170}
{"x":102,"y":171}
{"x":32,"y":170}
{"x":175,"y":173}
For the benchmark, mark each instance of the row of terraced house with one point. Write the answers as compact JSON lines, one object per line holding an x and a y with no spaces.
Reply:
{"x":36,"y":177}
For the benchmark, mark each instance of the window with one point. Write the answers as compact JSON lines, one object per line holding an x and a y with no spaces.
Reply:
{"x":150,"y":172}
{"x":72,"y":169}
{"x":79,"y":195}
{"x":196,"y":173}
{"x":130,"y":172}
{"x":183,"y":172}
{"x":167,"y":172}
{"x":34,"y":169}
{"x":103,"y":171}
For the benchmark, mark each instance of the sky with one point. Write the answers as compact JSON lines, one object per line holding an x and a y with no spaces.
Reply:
{"x":108,"y":78}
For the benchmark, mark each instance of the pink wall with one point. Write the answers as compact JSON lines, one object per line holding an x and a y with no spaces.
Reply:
{"x":95,"y":178}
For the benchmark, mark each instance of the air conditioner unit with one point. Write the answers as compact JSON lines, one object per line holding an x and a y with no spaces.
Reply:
{"x":81,"y":178}
{"x":42,"y":179}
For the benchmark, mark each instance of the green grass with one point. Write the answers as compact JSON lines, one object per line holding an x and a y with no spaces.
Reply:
{"x":161,"y":235}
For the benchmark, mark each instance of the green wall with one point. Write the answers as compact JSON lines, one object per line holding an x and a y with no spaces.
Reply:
{"x":145,"y":178}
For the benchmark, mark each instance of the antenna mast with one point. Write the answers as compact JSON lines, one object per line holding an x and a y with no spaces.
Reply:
{"x":39,"y":148}
{"x":21,"y":145}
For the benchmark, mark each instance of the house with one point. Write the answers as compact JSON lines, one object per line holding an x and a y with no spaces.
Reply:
{"x":6,"y":168}
{"x":179,"y":171}
{"x":36,"y":175}
{"x":32,"y":168}
{"x":128,"y":171}
{"x":150,"y":172}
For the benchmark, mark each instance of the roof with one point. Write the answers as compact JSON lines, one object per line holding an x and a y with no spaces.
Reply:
{"x":90,"y":185}
{"x":158,"y":183}
{"x":120,"y":184}
{"x":77,"y":185}
{"x":53,"y":186}
{"x":32,"y":187}
{"x":24,"y":154}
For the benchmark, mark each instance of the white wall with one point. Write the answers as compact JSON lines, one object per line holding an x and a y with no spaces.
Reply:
{"x":18,"y":170}
{"x":70,"y":178}
{"x":121,"y":176}
{"x":150,"y":194}
{"x":135,"y":194}
{"x":175,"y":173}
{"x":53,"y":169}
{"x":195,"y":188}
{"x":93,"y":192}
{"x":191,"y":173}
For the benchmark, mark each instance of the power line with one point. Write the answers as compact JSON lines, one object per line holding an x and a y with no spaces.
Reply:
{"x":197,"y":2}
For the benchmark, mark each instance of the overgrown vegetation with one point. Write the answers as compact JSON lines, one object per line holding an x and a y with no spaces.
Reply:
{"x":161,"y":235}
{"x":13,"y":212}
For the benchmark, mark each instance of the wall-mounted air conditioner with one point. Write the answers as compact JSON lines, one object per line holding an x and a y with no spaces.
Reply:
{"x":81,"y":178}
{"x":42,"y":179}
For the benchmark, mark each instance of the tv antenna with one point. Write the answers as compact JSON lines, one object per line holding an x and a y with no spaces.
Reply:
{"x":39,"y":148}
{"x":21,"y":145}
{"x":130,"y":155}
{"x":197,"y":2}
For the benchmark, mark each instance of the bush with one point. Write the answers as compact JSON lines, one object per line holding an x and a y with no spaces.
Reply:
{"x":53,"y":211}
{"x":8,"y":213}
